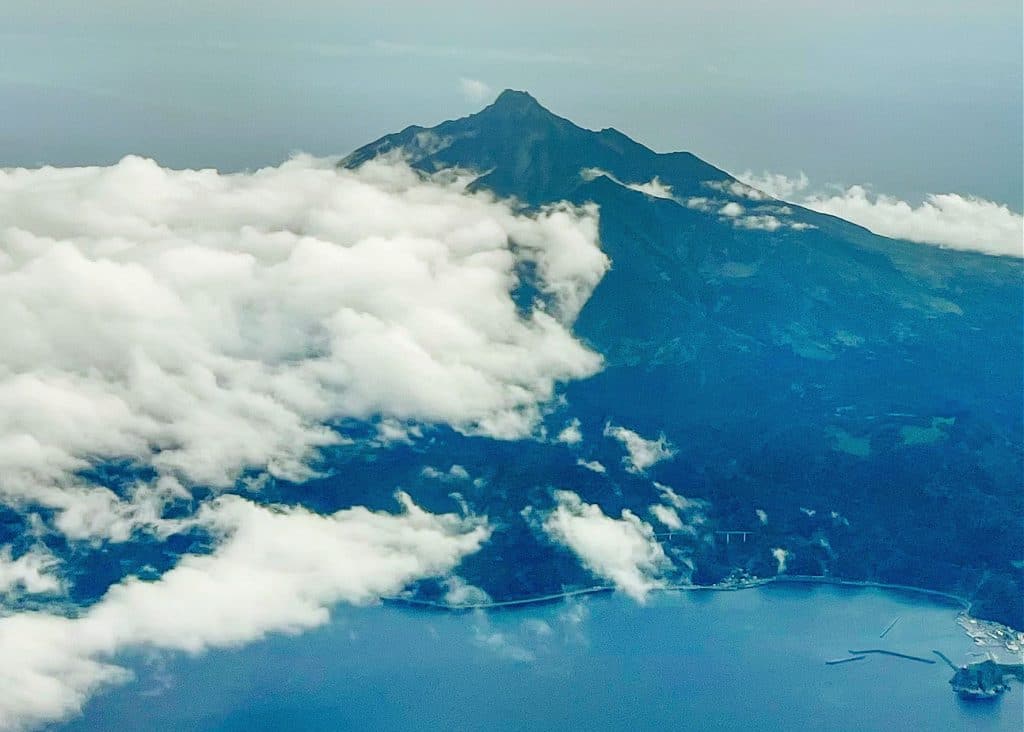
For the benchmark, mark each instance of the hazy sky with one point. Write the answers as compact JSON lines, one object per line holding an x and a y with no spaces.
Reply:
{"x":912,"y":97}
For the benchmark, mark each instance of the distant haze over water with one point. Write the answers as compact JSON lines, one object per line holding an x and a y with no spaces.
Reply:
{"x":911,"y":97}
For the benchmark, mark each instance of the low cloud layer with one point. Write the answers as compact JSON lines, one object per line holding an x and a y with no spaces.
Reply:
{"x":944,"y":219}
{"x":571,"y":433}
{"x":654,"y":187}
{"x":32,"y":572}
{"x":621,"y":550}
{"x":679,"y":513}
{"x":592,"y":465}
{"x":203,"y":325}
{"x":212,"y":330}
{"x":764,"y":217}
{"x":781,"y":556}
{"x":641,"y":453}
{"x":761,"y":217}
{"x":276,"y":569}
{"x":667,"y":515}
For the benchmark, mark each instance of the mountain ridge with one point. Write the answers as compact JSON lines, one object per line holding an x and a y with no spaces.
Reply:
{"x":516,"y":126}
{"x":516,"y":115}
{"x":851,"y":387}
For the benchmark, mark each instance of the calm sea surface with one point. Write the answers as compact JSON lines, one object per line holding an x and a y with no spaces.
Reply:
{"x":751,"y":660}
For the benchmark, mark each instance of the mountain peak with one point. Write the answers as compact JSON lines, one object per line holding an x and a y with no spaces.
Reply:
{"x":527,"y":151}
{"x":517,"y":102}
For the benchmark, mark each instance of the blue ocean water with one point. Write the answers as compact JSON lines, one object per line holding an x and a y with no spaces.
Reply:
{"x":752,"y":660}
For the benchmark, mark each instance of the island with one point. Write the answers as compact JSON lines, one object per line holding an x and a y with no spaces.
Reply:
{"x":986,"y":679}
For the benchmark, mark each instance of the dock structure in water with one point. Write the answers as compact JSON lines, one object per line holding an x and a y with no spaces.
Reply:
{"x":837,"y":661}
{"x":893,"y":653}
{"x":945,"y":658}
{"x":889,"y":627}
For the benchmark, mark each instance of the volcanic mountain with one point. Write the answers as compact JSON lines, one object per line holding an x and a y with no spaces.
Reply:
{"x":852,"y":402}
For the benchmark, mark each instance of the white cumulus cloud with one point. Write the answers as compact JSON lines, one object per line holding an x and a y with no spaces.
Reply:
{"x":945,"y":219}
{"x":731,"y":209}
{"x":667,"y":516}
{"x":654,"y":187}
{"x":570,"y":434}
{"x":777,"y":185}
{"x":737,"y":188}
{"x":759,"y":222}
{"x":454,"y":473}
{"x":591,"y":465}
{"x":641,"y":453}
{"x":277,"y":569}
{"x":33,"y":572}
{"x":205,"y":324}
{"x":461,"y":593}
{"x":700,"y":203}
{"x":781,"y":555}
{"x":622,"y":550}
{"x":679,"y":513}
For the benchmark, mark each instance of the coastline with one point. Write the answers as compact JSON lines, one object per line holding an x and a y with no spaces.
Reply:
{"x":963,"y":603}
{"x":992,"y":631}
